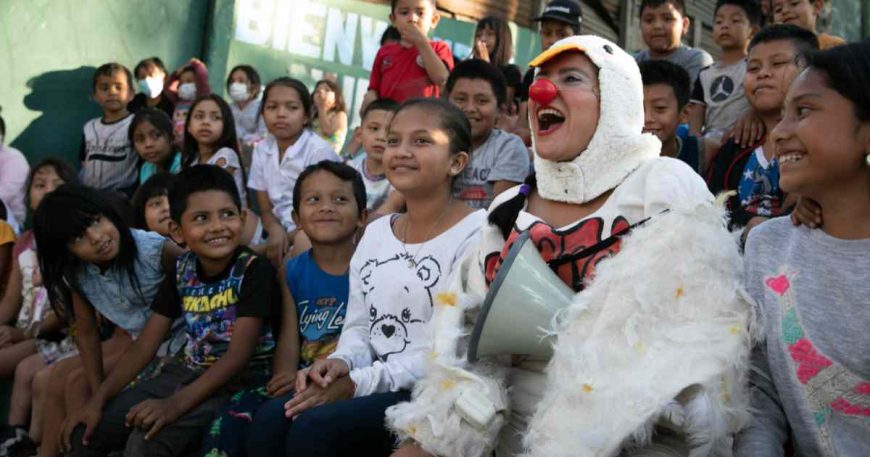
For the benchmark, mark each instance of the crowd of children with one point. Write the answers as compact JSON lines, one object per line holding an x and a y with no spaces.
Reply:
{"x":249,"y":277}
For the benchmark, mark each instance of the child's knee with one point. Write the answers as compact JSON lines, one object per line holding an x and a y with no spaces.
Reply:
{"x":27,"y":369}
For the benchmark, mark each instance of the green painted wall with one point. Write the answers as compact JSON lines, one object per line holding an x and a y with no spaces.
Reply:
{"x":306,"y":39}
{"x":50,"y":48}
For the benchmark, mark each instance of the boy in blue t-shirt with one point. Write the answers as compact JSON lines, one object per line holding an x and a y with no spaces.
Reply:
{"x":224,"y":292}
{"x":665,"y":96}
{"x":329,"y":205}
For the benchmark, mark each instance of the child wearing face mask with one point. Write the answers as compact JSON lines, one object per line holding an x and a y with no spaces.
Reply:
{"x":186,"y":85}
{"x":151,"y":78}
{"x":243,"y":87}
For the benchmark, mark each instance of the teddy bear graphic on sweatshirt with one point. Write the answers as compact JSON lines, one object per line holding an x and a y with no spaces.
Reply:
{"x":395,"y":315}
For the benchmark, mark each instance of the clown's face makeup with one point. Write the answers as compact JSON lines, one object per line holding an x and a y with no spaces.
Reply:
{"x":564,"y":126}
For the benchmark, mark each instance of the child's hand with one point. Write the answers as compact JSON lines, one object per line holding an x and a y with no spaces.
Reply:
{"x":10,"y":335}
{"x":807,"y":212}
{"x":747,"y":130}
{"x":281,"y":383}
{"x":411,"y":33}
{"x":276,"y":246}
{"x":89,"y":415}
{"x":36,"y":278}
{"x":322,"y":373}
{"x":152,"y":415}
{"x":341,"y":389}
{"x":480,"y":51}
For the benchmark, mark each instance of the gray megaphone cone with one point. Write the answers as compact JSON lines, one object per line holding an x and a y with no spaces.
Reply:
{"x":522,"y":301}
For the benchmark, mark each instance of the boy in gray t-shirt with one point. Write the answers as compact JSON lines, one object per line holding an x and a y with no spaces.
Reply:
{"x":499,"y":160}
{"x":663,"y":23}
{"x":718,"y":99}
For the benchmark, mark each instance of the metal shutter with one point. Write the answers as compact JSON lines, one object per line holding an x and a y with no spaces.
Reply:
{"x":594,"y":24}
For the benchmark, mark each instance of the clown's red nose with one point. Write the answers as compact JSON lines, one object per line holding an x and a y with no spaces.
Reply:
{"x":543,"y":91}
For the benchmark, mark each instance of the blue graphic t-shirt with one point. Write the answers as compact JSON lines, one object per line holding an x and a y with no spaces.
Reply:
{"x":211,"y":305}
{"x":759,"y":190}
{"x":321,"y":302}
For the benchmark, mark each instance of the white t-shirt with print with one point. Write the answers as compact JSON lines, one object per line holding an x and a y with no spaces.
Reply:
{"x":227,"y":158}
{"x":278,"y":178}
{"x":385,"y":338}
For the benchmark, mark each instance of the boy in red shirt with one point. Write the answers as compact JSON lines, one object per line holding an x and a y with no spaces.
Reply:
{"x":416,"y":66}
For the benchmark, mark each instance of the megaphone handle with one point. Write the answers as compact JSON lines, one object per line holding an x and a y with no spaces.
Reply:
{"x":473,"y":406}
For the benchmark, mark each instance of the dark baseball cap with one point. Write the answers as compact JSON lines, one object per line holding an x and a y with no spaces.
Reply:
{"x":566,"y":11}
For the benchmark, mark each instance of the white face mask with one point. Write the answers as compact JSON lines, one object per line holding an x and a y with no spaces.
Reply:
{"x":187,"y":91}
{"x":151,"y":86}
{"x":239,"y":91}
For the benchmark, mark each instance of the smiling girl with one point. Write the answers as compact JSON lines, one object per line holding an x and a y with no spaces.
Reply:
{"x":811,"y":380}
{"x":400,"y":267}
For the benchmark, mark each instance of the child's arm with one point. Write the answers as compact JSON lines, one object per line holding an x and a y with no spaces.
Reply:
{"x":278,"y":239}
{"x":286,"y":358}
{"x":88,"y":341}
{"x":696,"y":114}
{"x":170,"y":254}
{"x":155,"y":414}
{"x":369,"y":97}
{"x":11,"y":303}
{"x":352,"y":146}
{"x":331,"y":123}
{"x":696,"y":110}
{"x":432,"y":63}
{"x":395,"y":203}
{"x":201,"y":71}
{"x":135,"y":358}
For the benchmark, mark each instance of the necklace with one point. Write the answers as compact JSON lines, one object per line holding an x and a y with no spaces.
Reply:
{"x":412,"y":259}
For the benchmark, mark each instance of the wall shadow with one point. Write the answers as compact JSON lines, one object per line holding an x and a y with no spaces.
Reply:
{"x":63,"y":97}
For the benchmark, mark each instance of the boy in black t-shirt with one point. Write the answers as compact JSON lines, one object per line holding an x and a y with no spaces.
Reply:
{"x":224,"y":293}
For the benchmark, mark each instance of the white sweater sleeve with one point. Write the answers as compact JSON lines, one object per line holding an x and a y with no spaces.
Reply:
{"x":430,"y":418}
{"x":353,"y":344}
{"x":389,"y":376}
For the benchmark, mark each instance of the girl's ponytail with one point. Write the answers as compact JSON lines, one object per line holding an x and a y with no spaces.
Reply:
{"x":505,"y":215}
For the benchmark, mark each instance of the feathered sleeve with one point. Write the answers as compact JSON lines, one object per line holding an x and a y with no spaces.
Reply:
{"x":430,"y":418}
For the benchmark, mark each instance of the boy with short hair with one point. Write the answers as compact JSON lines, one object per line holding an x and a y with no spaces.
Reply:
{"x":663,"y":23}
{"x":499,"y":160}
{"x":665,"y":96}
{"x":224,"y":292}
{"x":416,"y":66}
{"x":370,"y":164}
{"x":315,"y":289}
{"x":108,"y":159}
{"x":717,"y":98}
{"x":774,"y":61}
{"x":804,"y":14}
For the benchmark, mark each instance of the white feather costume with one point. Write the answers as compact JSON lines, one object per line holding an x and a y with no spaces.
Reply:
{"x":660,"y":336}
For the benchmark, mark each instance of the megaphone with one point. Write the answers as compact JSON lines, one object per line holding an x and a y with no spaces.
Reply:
{"x":522,"y":301}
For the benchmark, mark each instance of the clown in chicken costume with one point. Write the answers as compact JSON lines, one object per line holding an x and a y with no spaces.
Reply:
{"x":651,"y":355}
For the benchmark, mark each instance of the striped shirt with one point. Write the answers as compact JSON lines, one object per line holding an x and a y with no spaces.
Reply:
{"x":108,"y":159}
